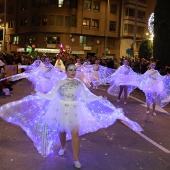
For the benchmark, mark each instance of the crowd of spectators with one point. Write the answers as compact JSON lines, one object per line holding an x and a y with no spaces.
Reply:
{"x":138,"y":65}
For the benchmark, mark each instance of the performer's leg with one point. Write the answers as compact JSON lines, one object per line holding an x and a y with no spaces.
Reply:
{"x":125,"y":94}
{"x":76,"y":147}
{"x":147,"y":103}
{"x":63,"y":143}
{"x":63,"y":139}
{"x":154,"y":105}
{"x":75,"y":144}
{"x":120,"y":92}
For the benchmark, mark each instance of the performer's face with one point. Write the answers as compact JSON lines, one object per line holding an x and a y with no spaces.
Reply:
{"x":125,"y":62}
{"x":71,"y":71}
{"x":152,"y":65}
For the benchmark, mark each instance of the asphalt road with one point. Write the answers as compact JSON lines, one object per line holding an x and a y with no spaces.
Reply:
{"x":114,"y":148}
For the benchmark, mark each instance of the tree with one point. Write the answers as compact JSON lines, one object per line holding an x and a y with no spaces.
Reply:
{"x":161,"y":47}
{"x":146,"y":49}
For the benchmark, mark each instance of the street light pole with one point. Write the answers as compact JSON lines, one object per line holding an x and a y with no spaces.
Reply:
{"x":135,"y":28}
{"x":4,"y":28}
{"x":106,"y":28}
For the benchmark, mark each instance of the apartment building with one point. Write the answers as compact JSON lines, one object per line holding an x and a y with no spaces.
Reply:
{"x":89,"y":27}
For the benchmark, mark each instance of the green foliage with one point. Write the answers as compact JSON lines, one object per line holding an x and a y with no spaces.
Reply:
{"x":146,"y":49}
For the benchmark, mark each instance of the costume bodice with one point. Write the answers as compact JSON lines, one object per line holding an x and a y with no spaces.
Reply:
{"x":70,"y":90}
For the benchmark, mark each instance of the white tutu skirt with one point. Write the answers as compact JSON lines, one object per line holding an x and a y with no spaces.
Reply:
{"x":67,"y":116}
{"x":42,"y":120}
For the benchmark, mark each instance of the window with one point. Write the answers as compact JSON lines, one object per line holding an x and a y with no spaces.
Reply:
{"x":129,"y":29}
{"x":73,"y":22}
{"x":2,"y":8}
{"x":52,"y":2}
{"x":60,"y":20}
{"x":35,"y":3}
{"x":83,"y":40}
{"x":52,"y":40}
{"x":67,"y":21}
{"x":23,"y":5}
{"x":60,"y":3}
{"x":112,"y":26}
{"x":24,"y":21}
{"x":51,"y":20}
{"x":96,"y":6}
{"x":86,"y":23}
{"x":1,"y":36}
{"x":42,"y":20}
{"x":113,"y":8}
{"x":130,"y":12}
{"x":15,"y":40}
{"x":95,"y":24}
{"x":141,"y":14}
{"x":87,"y":5}
{"x":43,"y":2}
{"x":11,"y":24}
{"x":34,"y":20}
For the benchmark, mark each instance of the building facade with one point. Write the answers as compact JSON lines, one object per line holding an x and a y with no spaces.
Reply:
{"x":89,"y":27}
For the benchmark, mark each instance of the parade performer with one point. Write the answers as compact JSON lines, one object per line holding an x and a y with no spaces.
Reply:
{"x":43,"y":75}
{"x":122,"y":82}
{"x":59,"y":63}
{"x":97,"y":72}
{"x":82,"y":73}
{"x":153,"y":86}
{"x":66,"y":112}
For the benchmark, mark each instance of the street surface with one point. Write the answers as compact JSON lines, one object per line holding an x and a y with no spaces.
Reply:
{"x":114,"y":148}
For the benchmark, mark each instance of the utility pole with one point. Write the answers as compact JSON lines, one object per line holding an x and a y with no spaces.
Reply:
{"x":4,"y":28}
{"x":135,"y":28}
{"x":106,"y":28}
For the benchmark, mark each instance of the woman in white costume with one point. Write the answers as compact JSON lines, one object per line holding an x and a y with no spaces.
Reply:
{"x":154,"y":88}
{"x":122,"y":82}
{"x":82,"y":73}
{"x":66,"y":112}
{"x":43,"y":75}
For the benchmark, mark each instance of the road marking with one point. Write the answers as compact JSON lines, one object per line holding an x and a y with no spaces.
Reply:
{"x":158,"y":108}
{"x":149,"y":140}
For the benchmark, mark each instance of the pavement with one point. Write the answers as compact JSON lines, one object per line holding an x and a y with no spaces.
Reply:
{"x":114,"y":148}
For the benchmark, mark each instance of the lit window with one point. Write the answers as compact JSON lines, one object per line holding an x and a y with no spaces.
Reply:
{"x":83,"y":40}
{"x":86,"y":22}
{"x":87,"y":5}
{"x":60,"y":3}
{"x":10,"y":24}
{"x":16,"y":40}
{"x":96,"y":6}
{"x":95,"y":24}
